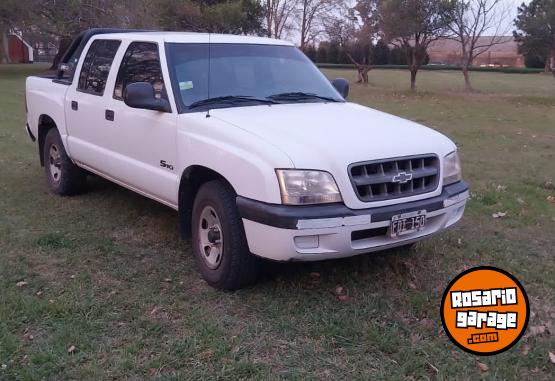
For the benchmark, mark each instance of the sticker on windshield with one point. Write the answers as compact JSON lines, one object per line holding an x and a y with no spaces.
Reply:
{"x":187,"y":85}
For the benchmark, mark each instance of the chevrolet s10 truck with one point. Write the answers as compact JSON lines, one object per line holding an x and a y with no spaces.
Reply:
{"x":258,"y":152}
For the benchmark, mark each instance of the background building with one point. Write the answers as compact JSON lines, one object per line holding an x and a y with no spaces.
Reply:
{"x":19,"y":50}
{"x":448,"y":52}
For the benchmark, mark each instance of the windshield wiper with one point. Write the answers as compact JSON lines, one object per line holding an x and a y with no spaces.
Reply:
{"x":294,"y":96}
{"x":231,"y":99}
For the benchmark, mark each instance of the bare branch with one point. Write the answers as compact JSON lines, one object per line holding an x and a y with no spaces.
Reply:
{"x":471,"y":21}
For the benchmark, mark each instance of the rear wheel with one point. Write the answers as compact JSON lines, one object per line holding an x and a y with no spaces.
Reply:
{"x":219,"y":242}
{"x":64,"y":177}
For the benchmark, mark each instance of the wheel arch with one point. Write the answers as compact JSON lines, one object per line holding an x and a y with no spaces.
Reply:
{"x":46,"y":123}
{"x":192,"y":178}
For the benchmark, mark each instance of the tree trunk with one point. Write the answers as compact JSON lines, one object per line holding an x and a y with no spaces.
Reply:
{"x":413,"y":65}
{"x":466,"y":74}
{"x":465,"y":65}
{"x":4,"y":50}
{"x":549,"y":61}
{"x":303,"y":33}
{"x":413,"y":72}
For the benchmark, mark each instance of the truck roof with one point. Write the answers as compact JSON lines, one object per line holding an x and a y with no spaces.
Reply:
{"x":78,"y":44}
{"x":191,"y":37}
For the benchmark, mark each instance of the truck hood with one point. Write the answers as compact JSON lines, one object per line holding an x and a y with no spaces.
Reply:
{"x":328,"y":135}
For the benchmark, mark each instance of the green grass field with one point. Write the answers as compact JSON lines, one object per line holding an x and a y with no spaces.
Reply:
{"x":111,"y":292}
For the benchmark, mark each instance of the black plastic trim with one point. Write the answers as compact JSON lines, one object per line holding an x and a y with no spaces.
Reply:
{"x":79,"y":42}
{"x":30,"y":133}
{"x":392,"y":197}
{"x":287,"y":216}
{"x":65,"y":82}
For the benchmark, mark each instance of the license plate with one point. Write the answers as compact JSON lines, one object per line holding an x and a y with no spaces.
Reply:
{"x":402,"y":224}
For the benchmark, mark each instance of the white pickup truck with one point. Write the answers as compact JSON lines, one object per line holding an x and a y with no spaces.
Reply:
{"x":258,"y":152}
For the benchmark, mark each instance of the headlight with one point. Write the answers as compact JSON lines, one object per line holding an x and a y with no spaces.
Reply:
{"x":451,"y":169}
{"x":299,"y":187}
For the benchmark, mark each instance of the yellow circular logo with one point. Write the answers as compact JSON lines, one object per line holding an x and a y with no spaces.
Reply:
{"x":485,"y":310}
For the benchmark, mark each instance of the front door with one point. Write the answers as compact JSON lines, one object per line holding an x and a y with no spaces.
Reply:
{"x":143,"y":142}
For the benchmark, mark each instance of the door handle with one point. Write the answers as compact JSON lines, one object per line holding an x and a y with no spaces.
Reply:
{"x":74,"y":105}
{"x":109,"y":115}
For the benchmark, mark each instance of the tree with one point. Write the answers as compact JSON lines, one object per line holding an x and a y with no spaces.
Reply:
{"x":181,"y":15}
{"x":397,"y":56}
{"x":310,"y":51}
{"x":341,"y":24}
{"x":362,"y":70}
{"x":367,"y":12}
{"x":380,"y":53}
{"x":311,"y":15}
{"x":470,"y":21}
{"x":369,"y":31}
{"x":235,"y":17}
{"x":66,"y":20}
{"x":534,"y":61}
{"x":12,"y":15}
{"x":213,"y":16}
{"x":278,"y":15}
{"x":413,"y":25}
{"x":535,"y":32}
{"x":138,"y":14}
{"x":322,"y":53}
{"x":334,"y":53}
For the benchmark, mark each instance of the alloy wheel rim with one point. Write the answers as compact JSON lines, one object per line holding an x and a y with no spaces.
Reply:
{"x":211,"y":238}
{"x":55,"y":161}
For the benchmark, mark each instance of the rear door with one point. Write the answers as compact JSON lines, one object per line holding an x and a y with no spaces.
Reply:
{"x":143,"y":142}
{"x":84,"y":104}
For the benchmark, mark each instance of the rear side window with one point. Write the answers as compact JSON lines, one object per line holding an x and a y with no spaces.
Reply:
{"x":96,"y":66}
{"x":141,"y":63}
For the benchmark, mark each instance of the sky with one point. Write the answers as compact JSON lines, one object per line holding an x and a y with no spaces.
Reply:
{"x":513,"y":4}
{"x":506,"y":24}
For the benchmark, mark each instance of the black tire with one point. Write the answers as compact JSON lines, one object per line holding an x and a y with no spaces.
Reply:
{"x":66,"y":178}
{"x":238,"y":268}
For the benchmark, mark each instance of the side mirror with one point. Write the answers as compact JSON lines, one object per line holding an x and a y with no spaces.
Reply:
{"x":342,"y":86}
{"x":65,"y":69}
{"x":142,"y":95}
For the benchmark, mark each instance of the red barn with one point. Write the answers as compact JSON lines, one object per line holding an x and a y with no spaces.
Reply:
{"x":19,"y":50}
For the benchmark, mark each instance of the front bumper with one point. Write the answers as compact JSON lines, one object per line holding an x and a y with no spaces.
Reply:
{"x":317,"y":232}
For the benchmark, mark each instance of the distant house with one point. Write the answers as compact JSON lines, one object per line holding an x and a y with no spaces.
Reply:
{"x":504,"y":54}
{"x":19,"y":50}
{"x":31,"y":46}
{"x":45,"y":49}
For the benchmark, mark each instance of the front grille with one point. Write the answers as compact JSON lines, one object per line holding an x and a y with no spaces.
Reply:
{"x":395,"y":178}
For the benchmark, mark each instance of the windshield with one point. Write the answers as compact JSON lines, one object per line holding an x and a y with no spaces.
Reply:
{"x":244,"y":74}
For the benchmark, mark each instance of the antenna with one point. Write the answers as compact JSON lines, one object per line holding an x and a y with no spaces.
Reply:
{"x":209,"y":58}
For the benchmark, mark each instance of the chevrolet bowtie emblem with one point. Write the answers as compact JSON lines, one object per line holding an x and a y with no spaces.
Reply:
{"x":402,"y":178}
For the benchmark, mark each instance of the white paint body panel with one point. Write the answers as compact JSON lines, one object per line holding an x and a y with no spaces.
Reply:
{"x":331,"y":136}
{"x":243,"y":144}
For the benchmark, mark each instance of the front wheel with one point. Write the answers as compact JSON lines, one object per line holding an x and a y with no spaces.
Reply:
{"x":219,"y":243}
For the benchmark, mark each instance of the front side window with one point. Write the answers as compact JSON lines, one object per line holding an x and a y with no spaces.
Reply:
{"x":245,"y":74}
{"x":96,"y":66}
{"x":141,"y":63}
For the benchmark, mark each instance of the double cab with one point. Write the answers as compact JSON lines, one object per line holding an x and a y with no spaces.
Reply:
{"x":259,"y":153}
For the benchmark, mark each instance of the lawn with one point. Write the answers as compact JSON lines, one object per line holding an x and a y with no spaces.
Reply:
{"x":100,"y":286}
